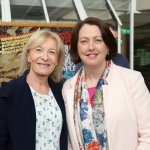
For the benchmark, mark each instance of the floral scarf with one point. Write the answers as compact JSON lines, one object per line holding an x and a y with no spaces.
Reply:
{"x":90,"y":123}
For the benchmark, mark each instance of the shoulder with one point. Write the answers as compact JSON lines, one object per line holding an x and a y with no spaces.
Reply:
{"x":9,"y":88}
{"x":127,"y":74}
{"x":67,"y":83}
{"x":120,"y":56}
{"x":70,"y":83}
{"x":54,"y":85}
{"x":121,"y":60}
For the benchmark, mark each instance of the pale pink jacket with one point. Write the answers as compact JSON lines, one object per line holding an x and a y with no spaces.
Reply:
{"x":127,"y":109}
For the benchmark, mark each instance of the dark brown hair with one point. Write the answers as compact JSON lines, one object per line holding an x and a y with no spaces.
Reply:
{"x":107,"y":37}
{"x":112,"y":27}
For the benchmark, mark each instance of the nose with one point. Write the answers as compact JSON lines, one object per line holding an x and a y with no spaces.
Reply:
{"x":91,"y":45}
{"x":45,"y":56}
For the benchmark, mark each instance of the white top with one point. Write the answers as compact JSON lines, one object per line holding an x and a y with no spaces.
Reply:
{"x":48,"y":121}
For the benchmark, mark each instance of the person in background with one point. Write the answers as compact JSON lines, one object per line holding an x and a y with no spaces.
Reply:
{"x":32,"y":111}
{"x":107,"y":106}
{"x":119,"y":59}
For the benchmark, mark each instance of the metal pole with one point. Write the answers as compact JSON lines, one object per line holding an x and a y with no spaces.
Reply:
{"x":119,"y":24}
{"x":80,"y":9}
{"x":132,"y":11}
{"x":119,"y":39}
{"x":45,"y":11}
{"x":131,"y":34}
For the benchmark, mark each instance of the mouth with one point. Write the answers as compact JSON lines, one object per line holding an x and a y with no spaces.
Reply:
{"x":44,"y":65}
{"x":91,"y":55}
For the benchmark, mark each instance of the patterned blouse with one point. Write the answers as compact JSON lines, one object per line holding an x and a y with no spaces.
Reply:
{"x":48,"y":121}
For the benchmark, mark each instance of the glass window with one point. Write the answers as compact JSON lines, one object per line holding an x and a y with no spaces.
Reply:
{"x":101,"y":9}
{"x":142,"y":51}
{"x":27,"y":10}
{"x":61,"y":11}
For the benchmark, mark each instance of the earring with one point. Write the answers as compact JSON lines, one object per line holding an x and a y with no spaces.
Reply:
{"x":108,"y":53}
{"x":55,"y":68}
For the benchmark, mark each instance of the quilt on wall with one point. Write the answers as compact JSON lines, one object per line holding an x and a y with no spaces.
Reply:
{"x":13,"y":39}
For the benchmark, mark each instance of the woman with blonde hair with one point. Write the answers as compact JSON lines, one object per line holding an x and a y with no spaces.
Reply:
{"x":32,"y":112}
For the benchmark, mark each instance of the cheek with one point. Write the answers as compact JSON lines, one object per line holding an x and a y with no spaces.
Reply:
{"x":106,"y":50}
{"x":81,"y":49}
{"x":55,"y":61}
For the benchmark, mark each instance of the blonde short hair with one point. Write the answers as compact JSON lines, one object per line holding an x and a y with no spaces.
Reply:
{"x":36,"y":40}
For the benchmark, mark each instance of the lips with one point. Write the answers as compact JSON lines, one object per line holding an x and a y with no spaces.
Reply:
{"x":46,"y":65}
{"x":92,"y":55}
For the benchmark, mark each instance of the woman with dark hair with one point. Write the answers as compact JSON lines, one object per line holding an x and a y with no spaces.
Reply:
{"x":107,"y":106}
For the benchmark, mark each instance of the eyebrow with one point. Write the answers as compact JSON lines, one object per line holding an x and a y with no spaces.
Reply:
{"x":49,"y":49}
{"x":94,"y":37}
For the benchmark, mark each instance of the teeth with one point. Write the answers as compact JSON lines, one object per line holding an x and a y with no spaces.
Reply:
{"x":44,"y":64}
{"x":91,"y":54}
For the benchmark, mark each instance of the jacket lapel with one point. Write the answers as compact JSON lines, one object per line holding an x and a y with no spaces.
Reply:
{"x":70,"y":111}
{"x":112,"y":95}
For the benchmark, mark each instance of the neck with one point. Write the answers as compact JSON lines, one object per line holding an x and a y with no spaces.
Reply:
{"x":93,"y":74}
{"x":38,"y":83}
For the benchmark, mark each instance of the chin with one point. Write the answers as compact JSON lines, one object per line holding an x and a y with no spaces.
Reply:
{"x":43,"y":74}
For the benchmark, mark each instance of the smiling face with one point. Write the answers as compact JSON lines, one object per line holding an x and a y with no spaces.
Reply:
{"x":44,"y":58}
{"x":91,"y":47}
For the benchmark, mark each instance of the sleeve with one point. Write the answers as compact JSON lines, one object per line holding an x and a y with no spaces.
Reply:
{"x":69,"y":142}
{"x":141,"y":99}
{"x":4,"y":132}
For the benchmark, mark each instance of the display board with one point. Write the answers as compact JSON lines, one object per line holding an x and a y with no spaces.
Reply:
{"x":13,"y":37}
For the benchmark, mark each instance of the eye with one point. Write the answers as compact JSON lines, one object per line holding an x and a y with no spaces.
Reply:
{"x":98,"y":40}
{"x":84,"y":41}
{"x":52,"y":52}
{"x":38,"y":50}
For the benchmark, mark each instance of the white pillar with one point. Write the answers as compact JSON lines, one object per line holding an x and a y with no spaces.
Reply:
{"x":132,"y":11}
{"x":119,"y":39}
{"x":5,"y":11}
{"x":119,"y":24}
{"x":131,"y":34}
{"x":45,"y":11}
{"x":80,"y":9}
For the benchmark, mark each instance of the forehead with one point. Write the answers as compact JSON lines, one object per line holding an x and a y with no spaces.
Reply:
{"x":89,"y":30}
{"x":47,"y":42}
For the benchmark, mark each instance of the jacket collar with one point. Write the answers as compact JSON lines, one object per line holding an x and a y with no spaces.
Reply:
{"x":111,"y":79}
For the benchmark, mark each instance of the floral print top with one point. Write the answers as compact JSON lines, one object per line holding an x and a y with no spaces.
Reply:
{"x":48,"y":121}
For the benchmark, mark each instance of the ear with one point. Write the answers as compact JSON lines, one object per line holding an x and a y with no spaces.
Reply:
{"x":56,"y":64}
{"x":28,"y":57}
{"x":108,"y":50}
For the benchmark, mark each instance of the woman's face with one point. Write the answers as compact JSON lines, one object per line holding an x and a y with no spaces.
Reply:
{"x":44,"y":58}
{"x":91,"y":47}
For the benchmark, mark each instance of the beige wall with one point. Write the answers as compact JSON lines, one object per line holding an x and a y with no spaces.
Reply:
{"x":143,"y":4}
